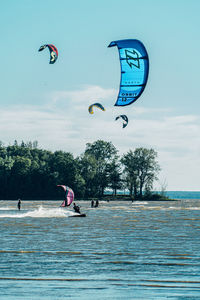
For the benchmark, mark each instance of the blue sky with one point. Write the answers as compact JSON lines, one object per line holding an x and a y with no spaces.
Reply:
{"x":49,"y":103}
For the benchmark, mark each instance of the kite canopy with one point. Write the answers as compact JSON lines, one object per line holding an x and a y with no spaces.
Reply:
{"x":90,"y":108}
{"x":69,"y":195}
{"x":53,"y":52}
{"x":124,"y":118}
{"x":134,"y":70}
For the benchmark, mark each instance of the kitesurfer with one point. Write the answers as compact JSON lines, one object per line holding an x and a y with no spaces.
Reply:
{"x":19,"y":204}
{"x":97,"y":203}
{"x":76,"y":208}
{"x":92,"y":203}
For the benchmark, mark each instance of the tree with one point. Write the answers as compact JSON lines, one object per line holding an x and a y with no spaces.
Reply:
{"x":15,"y":143}
{"x":35,"y":144}
{"x":3,"y":151}
{"x":130,"y":170}
{"x":147,"y":168}
{"x":22,"y":151}
{"x":6,"y":165}
{"x":19,"y":177}
{"x":21,"y":165}
{"x":80,"y":185}
{"x":32,"y":173}
{"x":101,"y":150}
{"x":104,"y":153}
{"x":87,"y":168}
{"x":141,"y":168}
{"x":64,"y":164}
{"x":114,"y":175}
{"x":163,"y":187}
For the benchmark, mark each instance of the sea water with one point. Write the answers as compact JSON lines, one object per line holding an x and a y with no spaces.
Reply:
{"x":121,"y":250}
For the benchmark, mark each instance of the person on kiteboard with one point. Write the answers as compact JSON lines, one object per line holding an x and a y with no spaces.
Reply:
{"x":19,"y":204}
{"x":76,"y":208}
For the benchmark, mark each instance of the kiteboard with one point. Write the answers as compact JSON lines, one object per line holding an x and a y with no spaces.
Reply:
{"x":78,"y":215}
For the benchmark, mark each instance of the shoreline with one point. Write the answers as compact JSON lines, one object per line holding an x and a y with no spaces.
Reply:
{"x":100,"y":200}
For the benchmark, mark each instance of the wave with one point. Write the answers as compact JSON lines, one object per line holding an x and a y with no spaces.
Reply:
{"x":41,"y":212}
{"x":140,"y":202}
{"x":182,"y":208}
{"x":167,"y":208}
{"x":6,"y":208}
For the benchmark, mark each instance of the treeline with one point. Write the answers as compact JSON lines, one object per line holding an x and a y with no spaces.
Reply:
{"x":28,"y":172}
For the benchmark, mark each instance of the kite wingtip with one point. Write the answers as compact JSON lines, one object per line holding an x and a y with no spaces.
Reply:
{"x":112,"y":44}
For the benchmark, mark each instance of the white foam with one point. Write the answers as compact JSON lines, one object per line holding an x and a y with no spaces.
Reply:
{"x":139,"y":202}
{"x":182,"y":208}
{"x":125,"y":208}
{"x":41,"y":212}
{"x":5,"y":208}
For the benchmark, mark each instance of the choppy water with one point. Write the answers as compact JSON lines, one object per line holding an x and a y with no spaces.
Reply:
{"x":121,"y":250}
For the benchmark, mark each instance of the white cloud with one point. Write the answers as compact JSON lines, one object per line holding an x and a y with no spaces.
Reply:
{"x":88,"y":94}
{"x":64,"y":123}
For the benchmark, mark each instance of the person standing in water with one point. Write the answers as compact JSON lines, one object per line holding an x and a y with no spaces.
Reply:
{"x":92,"y":203}
{"x":19,"y":204}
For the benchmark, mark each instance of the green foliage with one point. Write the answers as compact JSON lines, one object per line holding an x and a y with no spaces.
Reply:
{"x":87,"y":165}
{"x":104,"y":153}
{"x":101,"y":150}
{"x":141,"y":169}
{"x":114,"y":171}
{"x":32,"y":173}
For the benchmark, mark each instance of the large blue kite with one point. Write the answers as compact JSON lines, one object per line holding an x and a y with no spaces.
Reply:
{"x":134,"y":70}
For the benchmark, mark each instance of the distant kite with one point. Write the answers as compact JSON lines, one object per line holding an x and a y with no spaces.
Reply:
{"x":53,"y":52}
{"x":134,"y":70}
{"x":125,"y":118}
{"x":90,"y":108}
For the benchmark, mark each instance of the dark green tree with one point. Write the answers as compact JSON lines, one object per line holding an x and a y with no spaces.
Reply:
{"x":6,"y":165}
{"x":130,"y":178}
{"x":141,"y":169}
{"x":32,"y":173}
{"x":87,"y":169}
{"x":114,"y":171}
{"x":104,"y":153}
{"x":147,"y":168}
{"x":65,"y":165}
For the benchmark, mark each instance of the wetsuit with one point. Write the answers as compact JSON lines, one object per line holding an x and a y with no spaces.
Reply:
{"x":19,"y":204}
{"x":76,"y":208}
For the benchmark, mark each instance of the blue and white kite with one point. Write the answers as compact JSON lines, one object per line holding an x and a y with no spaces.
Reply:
{"x":134,"y":70}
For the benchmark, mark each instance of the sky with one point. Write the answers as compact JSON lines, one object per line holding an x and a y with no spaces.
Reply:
{"x":49,"y":103}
